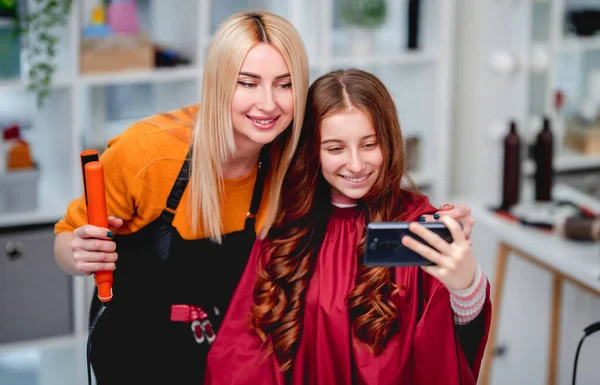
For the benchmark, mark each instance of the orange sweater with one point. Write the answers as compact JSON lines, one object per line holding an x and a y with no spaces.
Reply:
{"x":140,"y":168}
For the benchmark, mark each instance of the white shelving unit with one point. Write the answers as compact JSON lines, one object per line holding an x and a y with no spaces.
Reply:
{"x":580,"y":44}
{"x":568,"y":161}
{"x":570,"y":58}
{"x":489,"y":94}
{"x":523,"y":94}
{"x":158,"y":75}
{"x":83,"y":109}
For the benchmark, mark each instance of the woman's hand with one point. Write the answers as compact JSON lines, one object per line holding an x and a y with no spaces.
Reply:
{"x":455,"y":264}
{"x":460,"y":212}
{"x":93,"y":248}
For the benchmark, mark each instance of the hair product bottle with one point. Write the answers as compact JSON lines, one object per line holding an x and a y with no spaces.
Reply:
{"x":512,"y":168}
{"x":543,"y":156}
{"x":18,"y":154}
{"x":413,"y":24}
{"x":579,"y":228}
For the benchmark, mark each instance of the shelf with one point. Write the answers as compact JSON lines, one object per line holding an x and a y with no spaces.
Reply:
{"x":580,"y":44}
{"x":50,"y":209}
{"x":566,"y":162}
{"x":408,"y":58}
{"x":57,"y":360}
{"x":572,"y":161}
{"x":61,"y":342}
{"x":12,"y":85}
{"x":19,"y":85}
{"x":157,"y":75}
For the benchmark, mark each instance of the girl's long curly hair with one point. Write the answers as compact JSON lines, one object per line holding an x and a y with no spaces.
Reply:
{"x":296,"y":236}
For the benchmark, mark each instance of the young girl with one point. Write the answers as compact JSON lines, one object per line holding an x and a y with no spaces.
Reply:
{"x":307,"y":311}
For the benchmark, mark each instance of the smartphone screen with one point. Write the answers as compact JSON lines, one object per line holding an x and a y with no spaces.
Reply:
{"x":384,"y":247}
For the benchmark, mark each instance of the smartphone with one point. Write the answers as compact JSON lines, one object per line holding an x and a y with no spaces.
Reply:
{"x":384,"y":246}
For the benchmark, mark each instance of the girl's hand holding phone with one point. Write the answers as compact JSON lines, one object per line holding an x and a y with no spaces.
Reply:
{"x":460,"y":212}
{"x":455,"y":265}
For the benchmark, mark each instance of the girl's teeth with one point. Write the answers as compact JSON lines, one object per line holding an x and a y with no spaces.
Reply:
{"x":356,"y":180}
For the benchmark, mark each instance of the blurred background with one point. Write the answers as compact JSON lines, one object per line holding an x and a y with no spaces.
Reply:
{"x":462,"y":73}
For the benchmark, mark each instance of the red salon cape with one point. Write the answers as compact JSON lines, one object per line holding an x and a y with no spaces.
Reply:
{"x":423,"y":352}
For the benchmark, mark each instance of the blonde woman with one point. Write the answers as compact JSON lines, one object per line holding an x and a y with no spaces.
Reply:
{"x":183,"y":246}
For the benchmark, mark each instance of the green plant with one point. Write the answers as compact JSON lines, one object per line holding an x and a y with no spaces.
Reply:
{"x":40,"y":26}
{"x":363,"y":13}
{"x":8,"y":7}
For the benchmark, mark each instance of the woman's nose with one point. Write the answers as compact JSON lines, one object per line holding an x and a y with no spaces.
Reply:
{"x":266,"y":101}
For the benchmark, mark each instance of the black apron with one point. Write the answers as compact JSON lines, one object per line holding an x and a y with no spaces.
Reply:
{"x":160,"y":277}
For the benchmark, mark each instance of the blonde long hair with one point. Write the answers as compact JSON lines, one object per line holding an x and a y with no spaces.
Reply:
{"x":213,"y":140}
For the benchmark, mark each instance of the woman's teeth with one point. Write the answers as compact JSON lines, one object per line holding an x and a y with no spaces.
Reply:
{"x":263,"y":121}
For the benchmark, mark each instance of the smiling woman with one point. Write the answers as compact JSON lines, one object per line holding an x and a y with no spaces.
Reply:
{"x":188,"y":191}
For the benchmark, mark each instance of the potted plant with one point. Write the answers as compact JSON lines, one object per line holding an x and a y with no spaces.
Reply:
{"x":40,"y":26}
{"x":362,"y":17}
{"x":9,"y":40}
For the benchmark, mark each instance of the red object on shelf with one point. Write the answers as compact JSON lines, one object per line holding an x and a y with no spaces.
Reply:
{"x":559,"y":100}
{"x":12,"y":132}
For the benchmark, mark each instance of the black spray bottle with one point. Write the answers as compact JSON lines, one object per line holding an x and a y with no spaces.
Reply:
{"x":543,"y":156}
{"x":512,"y":168}
{"x":413,"y":24}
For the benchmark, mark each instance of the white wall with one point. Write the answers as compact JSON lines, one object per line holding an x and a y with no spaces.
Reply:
{"x":483,"y":100}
